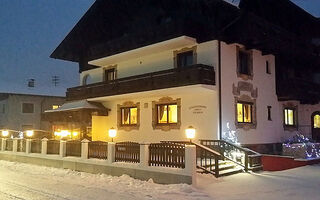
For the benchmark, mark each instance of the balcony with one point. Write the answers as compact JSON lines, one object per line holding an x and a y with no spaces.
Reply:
{"x":192,"y":75}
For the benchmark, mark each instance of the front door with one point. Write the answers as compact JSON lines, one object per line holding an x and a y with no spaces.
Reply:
{"x":315,"y":125}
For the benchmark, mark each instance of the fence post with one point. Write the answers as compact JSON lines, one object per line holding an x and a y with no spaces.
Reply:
{"x":190,"y":161}
{"x":63,"y":148}
{"x":15,"y":145}
{"x":28,"y":145}
{"x":144,"y":154}
{"x":84,"y":148}
{"x":44,"y":146}
{"x":3,"y":144}
{"x":111,"y":152}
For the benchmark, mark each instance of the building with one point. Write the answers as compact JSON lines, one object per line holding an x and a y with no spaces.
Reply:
{"x":160,"y":67}
{"x":21,"y":112}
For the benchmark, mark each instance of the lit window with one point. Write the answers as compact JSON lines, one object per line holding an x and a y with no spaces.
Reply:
{"x":289,"y":117}
{"x":55,"y":107}
{"x":167,"y":114}
{"x":244,"y":112}
{"x":129,"y":116}
{"x":316,"y":121}
{"x":27,"y":108}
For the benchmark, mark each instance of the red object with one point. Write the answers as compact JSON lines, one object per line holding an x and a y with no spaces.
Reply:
{"x":279,"y":163}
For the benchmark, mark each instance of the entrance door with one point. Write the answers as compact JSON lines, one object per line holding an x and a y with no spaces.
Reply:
{"x":315,"y":124}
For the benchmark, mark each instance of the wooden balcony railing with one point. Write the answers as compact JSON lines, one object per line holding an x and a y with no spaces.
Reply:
{"x":196,"y":74}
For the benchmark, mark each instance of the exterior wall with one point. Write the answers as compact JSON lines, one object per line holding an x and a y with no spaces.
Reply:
{"x":305,"y":112}
{"x":206,"y":54}
{"x":13,"y":118}
{"x":265,"y":131}
{"x":205,"y":121}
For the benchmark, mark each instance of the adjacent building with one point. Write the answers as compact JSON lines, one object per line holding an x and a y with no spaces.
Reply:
{"x":21,"y":112}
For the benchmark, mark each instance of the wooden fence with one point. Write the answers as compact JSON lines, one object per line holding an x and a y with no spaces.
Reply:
{"x":98,"y":149}
{"x":167,"y":155}
{"x":127,"y":152}
{"x":21,"y":145}
{"x":9,"y":145}
{"x":73,"y":148}
{"x":53,"y":146}
{"x":36,"y":146}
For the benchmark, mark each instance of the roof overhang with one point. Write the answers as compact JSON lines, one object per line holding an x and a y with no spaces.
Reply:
{"x":77,"y":106}
{"x":146,"y":50}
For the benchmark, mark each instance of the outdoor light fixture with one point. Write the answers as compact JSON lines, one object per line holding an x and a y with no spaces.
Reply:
{"x":190,"y":133}
{"x":29,"y":133}
{"x":5,"y":133}
{"x":75,"y":134}
{"x":112,"y":133}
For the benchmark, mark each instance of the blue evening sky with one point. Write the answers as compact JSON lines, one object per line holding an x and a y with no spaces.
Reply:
{"x":32,"y":29}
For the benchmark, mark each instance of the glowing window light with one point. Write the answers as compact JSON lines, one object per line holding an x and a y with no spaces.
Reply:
{"x":65,"y":133}
{"x":75,"y":134}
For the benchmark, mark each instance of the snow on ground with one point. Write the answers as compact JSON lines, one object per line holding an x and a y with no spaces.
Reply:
{"x":295,"y":184}
{"x":30,"y":182}
{"x":24,"y":181}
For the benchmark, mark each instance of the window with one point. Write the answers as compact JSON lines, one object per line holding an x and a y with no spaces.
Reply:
{"x":109,"y":74}
{"x":268,"y":70}
{"x":316,"y":121}
{"x":269,"y":113}
{"x":27,"y":108}
{"x":289,"y":117}
{"x":2,"y":108}
{"x":86,"y":79}
{"x":185,"y":59}
{"x":55,"y":107}
{"x":129,"y":116}
{"x":244,"y":112}
{"x":244,"y":64}
{"x":167,"y":114}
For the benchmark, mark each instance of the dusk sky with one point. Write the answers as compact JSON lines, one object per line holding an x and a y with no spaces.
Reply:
{"x":31,"y":30}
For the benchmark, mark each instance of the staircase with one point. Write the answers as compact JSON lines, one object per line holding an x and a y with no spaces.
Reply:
{"x":222,"y":158}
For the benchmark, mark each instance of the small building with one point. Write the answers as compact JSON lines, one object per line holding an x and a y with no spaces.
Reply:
{"x":21,"y":112}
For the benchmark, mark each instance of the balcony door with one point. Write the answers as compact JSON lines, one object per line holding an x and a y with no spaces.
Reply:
{"x":110,"y":74}
{"x":315,"y":124}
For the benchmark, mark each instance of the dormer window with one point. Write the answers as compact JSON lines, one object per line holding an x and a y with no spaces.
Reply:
{"x":185,"y":57}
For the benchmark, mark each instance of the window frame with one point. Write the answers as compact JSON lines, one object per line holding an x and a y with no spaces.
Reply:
{"x":168,"y":117}
{"x":243,"y":117}
{"x":166,"y":126}
{"x":121,"y":117}
{"x":184,"y":50}
{"x":109,"y":69}
{"x":294,"y":117}
{"x":247,"y":100}
{"x":241,"y":75}
{"x":33,"y":109}
{"x":128,"y":127}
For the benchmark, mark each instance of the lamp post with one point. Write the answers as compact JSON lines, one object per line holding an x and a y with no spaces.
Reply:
{"x":112,"y":133}
{"x":5,"y":133}
{"x":190,"y":133}
{"x":29,"y":133}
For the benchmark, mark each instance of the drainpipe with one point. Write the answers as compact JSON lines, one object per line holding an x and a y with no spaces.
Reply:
{"x":220,"y":106}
